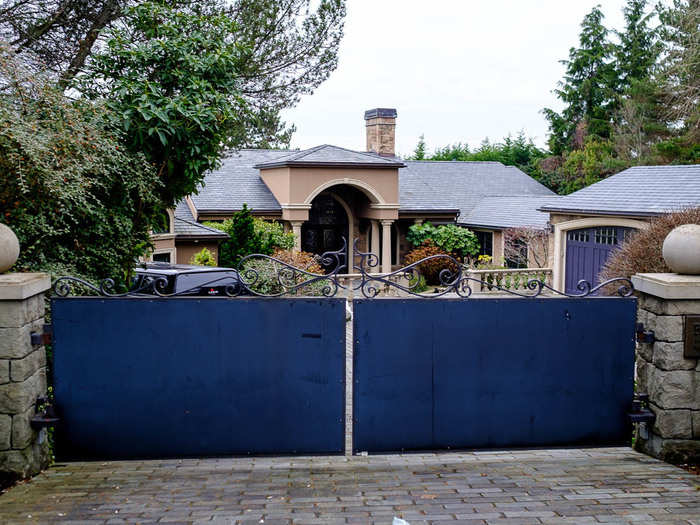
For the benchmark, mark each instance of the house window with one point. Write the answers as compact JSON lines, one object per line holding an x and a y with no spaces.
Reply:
{"x":579,"y":236}
{"x":606,"y":236}
{"x":485,"y":243}
{"x":161,"y":257}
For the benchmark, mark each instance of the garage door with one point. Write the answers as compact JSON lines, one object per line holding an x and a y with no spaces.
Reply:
{"x":587,"y":250}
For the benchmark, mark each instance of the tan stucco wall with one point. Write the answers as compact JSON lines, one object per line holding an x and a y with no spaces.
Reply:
{"x":163,"y":242}
{"x":187,"y":249}
{"x":298,"y":186}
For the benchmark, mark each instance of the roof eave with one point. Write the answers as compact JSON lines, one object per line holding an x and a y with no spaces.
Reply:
{"x":196,"y":236}
{"x":616,"y":213}
{"x":429,"y":212}
{"x":254,"y":211}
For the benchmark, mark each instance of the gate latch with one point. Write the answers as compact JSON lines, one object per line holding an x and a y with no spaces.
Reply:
{"x":44,"y":337}
{"x":640,"y":412}
{"x":45,"y":414}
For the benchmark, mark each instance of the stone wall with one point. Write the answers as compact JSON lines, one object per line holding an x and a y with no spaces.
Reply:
{"x":672,"y":381}
{"x":23,"y":451}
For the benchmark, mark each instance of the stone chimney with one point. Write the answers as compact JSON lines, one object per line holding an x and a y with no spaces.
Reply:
{"x":381,"y":131}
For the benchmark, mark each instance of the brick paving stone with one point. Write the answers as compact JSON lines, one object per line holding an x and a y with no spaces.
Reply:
{"x":544,"y":487}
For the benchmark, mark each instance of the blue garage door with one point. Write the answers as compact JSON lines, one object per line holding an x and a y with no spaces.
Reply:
{"x":587,"y":250}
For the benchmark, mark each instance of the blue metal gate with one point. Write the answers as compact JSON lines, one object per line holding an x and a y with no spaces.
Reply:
{"x":138,"y":377}
{"x":492,"y":372}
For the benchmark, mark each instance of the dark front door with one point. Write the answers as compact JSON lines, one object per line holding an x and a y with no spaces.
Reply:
{"x":326,"y":227}
{"x":586,"y":253}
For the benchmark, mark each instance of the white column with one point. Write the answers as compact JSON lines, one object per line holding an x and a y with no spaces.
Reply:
{"x":374,"y":247}
{"x":386,"y":245}
{"x":296,"y":228}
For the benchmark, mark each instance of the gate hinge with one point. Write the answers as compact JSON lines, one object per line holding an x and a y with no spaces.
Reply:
{"x":645,"y":336}
{"x":640,"y":412}
{"x":44,"y":337}
{"x":45,"y":414}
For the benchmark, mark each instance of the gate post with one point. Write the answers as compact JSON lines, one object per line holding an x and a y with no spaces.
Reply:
{"x":668,"y":364}
{"x":23,"y":451}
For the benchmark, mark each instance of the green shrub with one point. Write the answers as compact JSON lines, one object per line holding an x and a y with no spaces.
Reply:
{"x":203,"y":258}
{"x":78,"y":202}
{"x":269,"y":277}
{"x":431,"y":269}
{"x":450,"y":238}
{"x":249,"y":235}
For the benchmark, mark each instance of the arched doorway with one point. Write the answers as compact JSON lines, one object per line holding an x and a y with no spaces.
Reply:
{"x":326,"y":227}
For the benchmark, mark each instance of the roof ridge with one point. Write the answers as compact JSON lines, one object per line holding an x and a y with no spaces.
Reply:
{"x":262,"y":149}
{"x":462,"y":162}
{"x":366,"y":153}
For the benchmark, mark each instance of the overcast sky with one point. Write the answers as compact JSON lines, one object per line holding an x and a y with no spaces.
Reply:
{"x":455,"y":70}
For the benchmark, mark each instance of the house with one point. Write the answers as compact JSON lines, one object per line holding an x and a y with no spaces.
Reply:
{"x":327,"y":193}
{"x":588,"y":225}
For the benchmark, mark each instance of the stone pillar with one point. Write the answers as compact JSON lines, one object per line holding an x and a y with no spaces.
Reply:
{"x":23,"y":451}
{"x":375,"y":242}
{"x":296,"y":228}
{"x":665,"y":369}
{"x":386,"y":245}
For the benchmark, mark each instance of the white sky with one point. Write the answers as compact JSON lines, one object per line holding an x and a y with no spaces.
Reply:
{"x":455,"y":70}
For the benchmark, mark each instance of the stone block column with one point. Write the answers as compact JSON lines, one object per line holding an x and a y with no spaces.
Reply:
{"x":374,"y":248}
{"x":667,"y":304}
{"x":23,"y":451}
{"x":296,"y":229}
{"x":386,"y":245}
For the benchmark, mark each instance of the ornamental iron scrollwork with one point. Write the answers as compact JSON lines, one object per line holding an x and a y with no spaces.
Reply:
{"x":453,"y":280}
{"x":261,"y":275}
{"x":247,"y":280}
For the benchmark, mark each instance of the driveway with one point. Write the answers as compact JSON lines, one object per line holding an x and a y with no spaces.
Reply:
{"x":611,"y":485}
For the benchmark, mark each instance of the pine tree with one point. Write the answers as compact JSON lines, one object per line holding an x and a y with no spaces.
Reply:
{"x":589,"y":88}
{"x":419,"y":152}
{"x":639,"y":47}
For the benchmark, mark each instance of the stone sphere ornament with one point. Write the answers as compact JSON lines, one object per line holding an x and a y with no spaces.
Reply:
{"x":681,"y":249}
{"x":9,"y":248}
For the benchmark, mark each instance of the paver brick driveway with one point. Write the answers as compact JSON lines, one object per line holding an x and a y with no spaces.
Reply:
{"x":612,"y":485}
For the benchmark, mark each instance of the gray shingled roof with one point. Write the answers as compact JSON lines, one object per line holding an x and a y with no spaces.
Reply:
{"x":509,"y":212}
{"x":426,"y":185}
{"x":638,"y":191}
{"x":327,"y":155}
{"x":186,"y":226}
{"x":237,"y":182}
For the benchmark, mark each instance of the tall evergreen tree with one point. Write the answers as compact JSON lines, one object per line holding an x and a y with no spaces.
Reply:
{"x":680,"y":71}
{"x":589,"y":88}
{"x":639,"y":48}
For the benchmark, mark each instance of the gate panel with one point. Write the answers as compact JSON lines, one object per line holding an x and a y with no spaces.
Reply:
{"x":499,"y":372}
{"x":183,"y":376}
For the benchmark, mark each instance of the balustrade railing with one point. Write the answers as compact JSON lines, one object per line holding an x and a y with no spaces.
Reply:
{"x":493,"y":281}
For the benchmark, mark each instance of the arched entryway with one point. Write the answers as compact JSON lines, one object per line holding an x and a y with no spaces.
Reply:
{"x":328,"y":224}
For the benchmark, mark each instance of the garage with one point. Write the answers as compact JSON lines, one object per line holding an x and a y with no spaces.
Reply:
{"x":588,"y":225}
{"x":587,"y":250}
